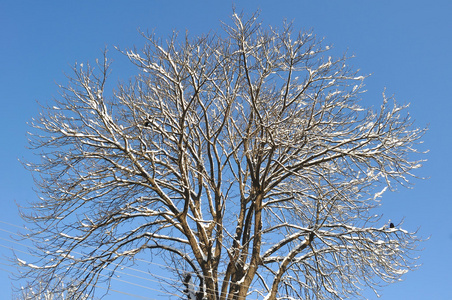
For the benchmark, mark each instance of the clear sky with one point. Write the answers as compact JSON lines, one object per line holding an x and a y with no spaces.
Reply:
{"x":405,"y":45}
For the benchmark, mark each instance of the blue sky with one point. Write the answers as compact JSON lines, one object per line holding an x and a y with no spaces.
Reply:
{"x":404,"y":45}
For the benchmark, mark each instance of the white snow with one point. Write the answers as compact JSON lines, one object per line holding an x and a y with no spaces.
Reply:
{"x":70,"y":237}
{"x":378,"y":195}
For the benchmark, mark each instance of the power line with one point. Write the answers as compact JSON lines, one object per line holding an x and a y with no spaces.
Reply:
{"x":127,"y":267}
{"x":102,"y":275}
{"x":114,"y":264}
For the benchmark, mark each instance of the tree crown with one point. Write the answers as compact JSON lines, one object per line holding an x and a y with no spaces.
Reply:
{"x":246,"y":158}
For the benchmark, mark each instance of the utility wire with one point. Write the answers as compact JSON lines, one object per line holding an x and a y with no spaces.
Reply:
{"x":126,"y":267}
{"x":101,"y":275}
{"x":115,"y":264}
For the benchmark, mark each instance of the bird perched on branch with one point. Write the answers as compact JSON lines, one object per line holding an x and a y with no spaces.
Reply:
{"x":391,"y":225}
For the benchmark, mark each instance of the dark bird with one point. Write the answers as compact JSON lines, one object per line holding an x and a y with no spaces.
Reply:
{"x":187,"y":278}
{"x":186,"y":281}
{"x":147,"y":123}
{"x":391,"y":225}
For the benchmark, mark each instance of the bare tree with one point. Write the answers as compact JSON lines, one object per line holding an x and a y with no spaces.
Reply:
{"x":245,"y":154}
